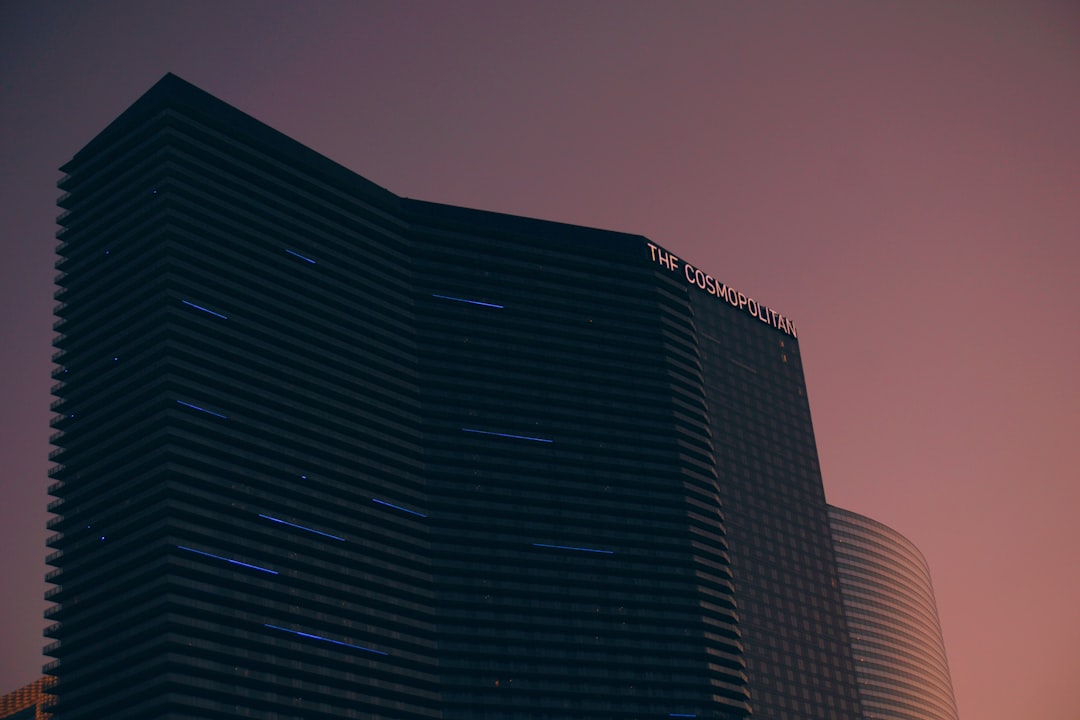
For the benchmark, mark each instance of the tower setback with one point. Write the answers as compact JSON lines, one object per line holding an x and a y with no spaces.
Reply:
{"x":327,"y":452}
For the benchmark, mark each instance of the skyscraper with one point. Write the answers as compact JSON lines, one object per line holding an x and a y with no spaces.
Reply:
{"x":241,"y":497}
{"x":579,"y":554}
{"x":892,"y":616}
{"x":794,"y":636}
{"x":325,"y":452}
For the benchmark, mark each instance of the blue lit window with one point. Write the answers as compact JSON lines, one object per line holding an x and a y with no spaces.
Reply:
{"x":506,"y":435}
{"x":470,"y":302}
{"x":205,"y":310}
{"x":228,"y":560}
{"x":300,"y":527}
{"x":579,"y":549}
{"x":398,"y":507}
{"x":324,"y":639}
{"x":196,"y":407}
{"x":302,"y":257}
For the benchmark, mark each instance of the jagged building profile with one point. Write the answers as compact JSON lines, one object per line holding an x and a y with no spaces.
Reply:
{"x":326,"y":452}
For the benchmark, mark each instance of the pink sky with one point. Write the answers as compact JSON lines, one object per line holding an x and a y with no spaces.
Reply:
{"x":902,"y":179}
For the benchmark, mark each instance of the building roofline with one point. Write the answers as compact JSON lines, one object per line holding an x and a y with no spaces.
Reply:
{"x":175,"y":93}
{"x":521,"y":227}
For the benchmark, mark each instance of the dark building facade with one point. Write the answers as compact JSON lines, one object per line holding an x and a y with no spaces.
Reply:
{"x":892,"y":616}
{"x":795,"y":639}
{"x":325,"y":452}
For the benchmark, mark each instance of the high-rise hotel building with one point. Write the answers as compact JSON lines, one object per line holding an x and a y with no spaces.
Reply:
{"x":326,"y":452}
{"x":900,"y":662}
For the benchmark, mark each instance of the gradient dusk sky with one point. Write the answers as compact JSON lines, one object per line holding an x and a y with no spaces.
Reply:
{"x":901,"y":178}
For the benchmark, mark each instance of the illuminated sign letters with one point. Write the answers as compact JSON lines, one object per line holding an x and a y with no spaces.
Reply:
{"x":718,"y":289}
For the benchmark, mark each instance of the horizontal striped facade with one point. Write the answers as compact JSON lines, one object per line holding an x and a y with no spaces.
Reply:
{"x":326,"y":452}
{"x":323,"y":452}
{"x":902,"y":670}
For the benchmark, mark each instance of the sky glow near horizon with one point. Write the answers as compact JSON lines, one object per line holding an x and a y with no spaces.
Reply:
{"x":900,"y":178}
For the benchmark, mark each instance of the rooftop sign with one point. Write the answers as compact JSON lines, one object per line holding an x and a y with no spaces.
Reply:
{"x":718,"y":289}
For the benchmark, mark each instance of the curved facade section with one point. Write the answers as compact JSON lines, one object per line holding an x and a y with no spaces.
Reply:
{"x":888,"y":598}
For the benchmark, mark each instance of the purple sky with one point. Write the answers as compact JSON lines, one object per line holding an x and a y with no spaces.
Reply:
{"x":900,"y":178}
